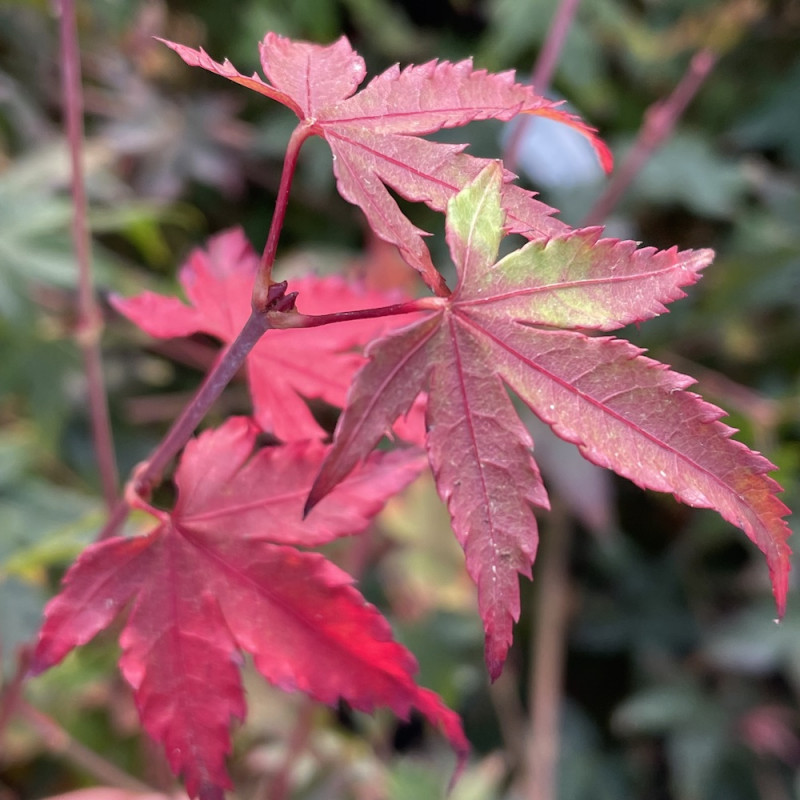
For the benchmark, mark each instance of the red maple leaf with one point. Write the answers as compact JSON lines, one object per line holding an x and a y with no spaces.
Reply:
{"x":220,"y":575}
{"x":506,"y":323}
{"x":286,"y":365}
{"x":375,"y":135}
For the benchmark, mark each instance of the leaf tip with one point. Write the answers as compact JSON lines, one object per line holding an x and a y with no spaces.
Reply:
{"x":779,"y":577}
{"x":313,"y":498}
{"x":603,"y":153}
{"x":494,"y":666}
{"x":323,"y":485}
{"x":702,"y":258}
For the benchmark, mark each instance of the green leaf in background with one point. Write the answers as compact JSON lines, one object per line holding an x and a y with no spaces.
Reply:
{"x":747,"y":645}
{"x":775,"y":123}
{"x":41,"y":523}
{"x":44,"y":524}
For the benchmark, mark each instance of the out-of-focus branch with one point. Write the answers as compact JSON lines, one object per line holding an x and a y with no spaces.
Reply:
{"x":548,"y":654}
{"x":659,"y":122}
{"x":90,"y":322}
{"x":279,"y":788}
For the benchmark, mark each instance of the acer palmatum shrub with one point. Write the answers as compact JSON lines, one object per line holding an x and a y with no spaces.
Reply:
{"x":226,"y":570}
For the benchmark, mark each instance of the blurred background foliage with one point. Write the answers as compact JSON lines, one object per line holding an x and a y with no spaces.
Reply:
{"x":678,"y":685}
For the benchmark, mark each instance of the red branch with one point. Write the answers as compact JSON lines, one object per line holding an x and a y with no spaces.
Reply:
{"x":90,"y":322}
{"x":659,"y":122}
{"x":297,"y":320}
{"x":548,"y":656}
{"x":267,"y":297}
{"x":230,"y":361}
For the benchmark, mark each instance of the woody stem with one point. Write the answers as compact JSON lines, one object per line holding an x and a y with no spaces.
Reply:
{"x":223,"y":371}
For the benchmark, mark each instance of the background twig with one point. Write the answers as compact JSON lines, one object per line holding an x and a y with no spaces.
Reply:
{"x":659,"y":122}
{"x":90,"y":322}
{"x":548,"y":655}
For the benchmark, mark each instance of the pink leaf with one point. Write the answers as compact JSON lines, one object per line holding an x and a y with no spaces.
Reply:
{"x":374,"y":134}
{"x":506,"y":321}
{"x":112,"y":793}
{"x":633,"y":415}
{"x":202,"y":590}
{"x":286,"y":365}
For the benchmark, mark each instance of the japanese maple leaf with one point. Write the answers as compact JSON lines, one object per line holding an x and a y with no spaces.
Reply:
{"x":375,"y":135}
{"x":507,"y":324}
{"x":286,"y":365}
{"x":220,"y":575}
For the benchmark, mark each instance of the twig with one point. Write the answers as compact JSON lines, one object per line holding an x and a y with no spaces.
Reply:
{"x":659,"y":122}
{"x":548,"y":652}
{"x":510,"y":713}
{"x":287,"y":321}
{"x":228,"y":364}
{"x":267,"y":297}
{"x":90,"y":322}
{"x":543,"y":71}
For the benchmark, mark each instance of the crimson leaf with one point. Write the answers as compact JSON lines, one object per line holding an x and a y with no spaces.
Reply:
{"x":507,"y":323}
{"x":218,"y":576}
{"x":284,"y":366}
{"x":375,"y":134}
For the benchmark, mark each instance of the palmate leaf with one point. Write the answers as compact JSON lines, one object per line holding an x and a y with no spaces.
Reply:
{"x":375,"y":134}
{"x":221,"y":575}
{"x":507,"y":324}
{"x":286,"y":366}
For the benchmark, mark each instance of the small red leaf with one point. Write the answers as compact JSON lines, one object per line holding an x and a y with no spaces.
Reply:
{"x":285,"y":366}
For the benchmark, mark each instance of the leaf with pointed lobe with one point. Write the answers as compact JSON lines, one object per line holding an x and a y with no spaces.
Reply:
{"x":506,"y":325}
{"x":481,"y":459}
{"x":374,"y":134}
{"x":285,"y":366}
{"x":579,"y":280}
{"x":384,"y":389}
{"x":224,"y":488}
{"x":208,"y":583}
